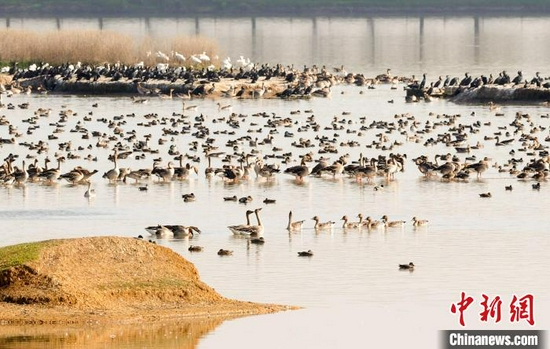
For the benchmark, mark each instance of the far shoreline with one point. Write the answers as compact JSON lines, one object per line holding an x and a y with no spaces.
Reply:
{"x":321,"y":11}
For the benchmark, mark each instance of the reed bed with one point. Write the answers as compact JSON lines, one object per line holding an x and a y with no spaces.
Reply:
{"x":98,"y":46}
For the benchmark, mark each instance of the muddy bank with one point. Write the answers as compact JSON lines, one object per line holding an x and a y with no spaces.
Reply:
{"x":502,"y":94}
{"x":106,"y":279}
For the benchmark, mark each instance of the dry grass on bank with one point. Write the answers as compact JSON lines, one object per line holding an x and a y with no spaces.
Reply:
{"x":96,"y":47}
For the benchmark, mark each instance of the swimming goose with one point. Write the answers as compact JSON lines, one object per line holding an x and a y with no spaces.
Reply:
{"x":294,"y":226}
{"x":391,"y":224}
{"x":242,"y":228}
{"x":373,"y":224}
{"x":322,"y":226}
{"x":177,"y":231}
{"x":350,"y":225}
{"x":419,"y":222}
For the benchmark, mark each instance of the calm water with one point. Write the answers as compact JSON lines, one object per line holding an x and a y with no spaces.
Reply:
{"x":353,"y":293}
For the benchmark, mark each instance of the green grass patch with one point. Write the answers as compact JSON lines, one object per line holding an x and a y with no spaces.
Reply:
{"x":11,"y":256}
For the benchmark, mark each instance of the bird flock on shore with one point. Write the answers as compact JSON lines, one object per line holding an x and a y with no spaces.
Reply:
{"x":253,"y":150}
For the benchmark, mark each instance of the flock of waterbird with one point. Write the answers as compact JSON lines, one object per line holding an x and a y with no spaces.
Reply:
{"x":252,"y":148}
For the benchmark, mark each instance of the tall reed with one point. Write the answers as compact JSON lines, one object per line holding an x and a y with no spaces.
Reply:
{"x":96,"y":46}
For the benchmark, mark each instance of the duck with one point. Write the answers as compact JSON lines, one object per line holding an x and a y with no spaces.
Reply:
{"x":508,"y":188}
{"x":258,"y":241}
{"x":188,"y":197}
{"x":90,"y":193}
{"x":269,"y":201}
{"x":294,"y":226}
{"x":419,"y":222}
{"x":223,"y":252}
{"x":245,"y":199}
{"x":409,"y":266}
{"x":194,"y":248}
{"x":322,"y":226}
{"x":392,"y":224}
{"x":307,"y":253}
{"x":485,"y":195}
{"x":230,"y":198}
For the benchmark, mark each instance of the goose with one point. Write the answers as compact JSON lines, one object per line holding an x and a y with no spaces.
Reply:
{"x":51,"y":175}
{"x":183,"y":172}
{"x":307,"y":253}
{"x":254,"y":230}
{"x":85,"y":173}
{"x":409,"y":266}
{"x":350,"y":225}
{"x":373,"y":224}
{"x":392,"y":224}
{"x":300,"y":171}
{"x":336,"y":168}
{"x":322,"y":226}
{"x":419,"y":222}
{"x":181,"y":231}
{"x":294,"y":226}
{"x":238,"y":229}
{"x":90,"y":193}
{"x":165,"y":174}
{"x":112,"y":174}
{"x":73,"y":176}
{"x":21,"y":176}
{"x":177,"y":231}
{"x":167,"y":96}
{"x":480,"y":166}
{"x":224,"y":107}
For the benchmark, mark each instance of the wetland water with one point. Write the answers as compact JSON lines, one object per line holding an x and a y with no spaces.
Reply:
{"x":353,"y":293}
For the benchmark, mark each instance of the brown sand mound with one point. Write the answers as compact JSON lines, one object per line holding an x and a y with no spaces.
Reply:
{"x":111,"y":277}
